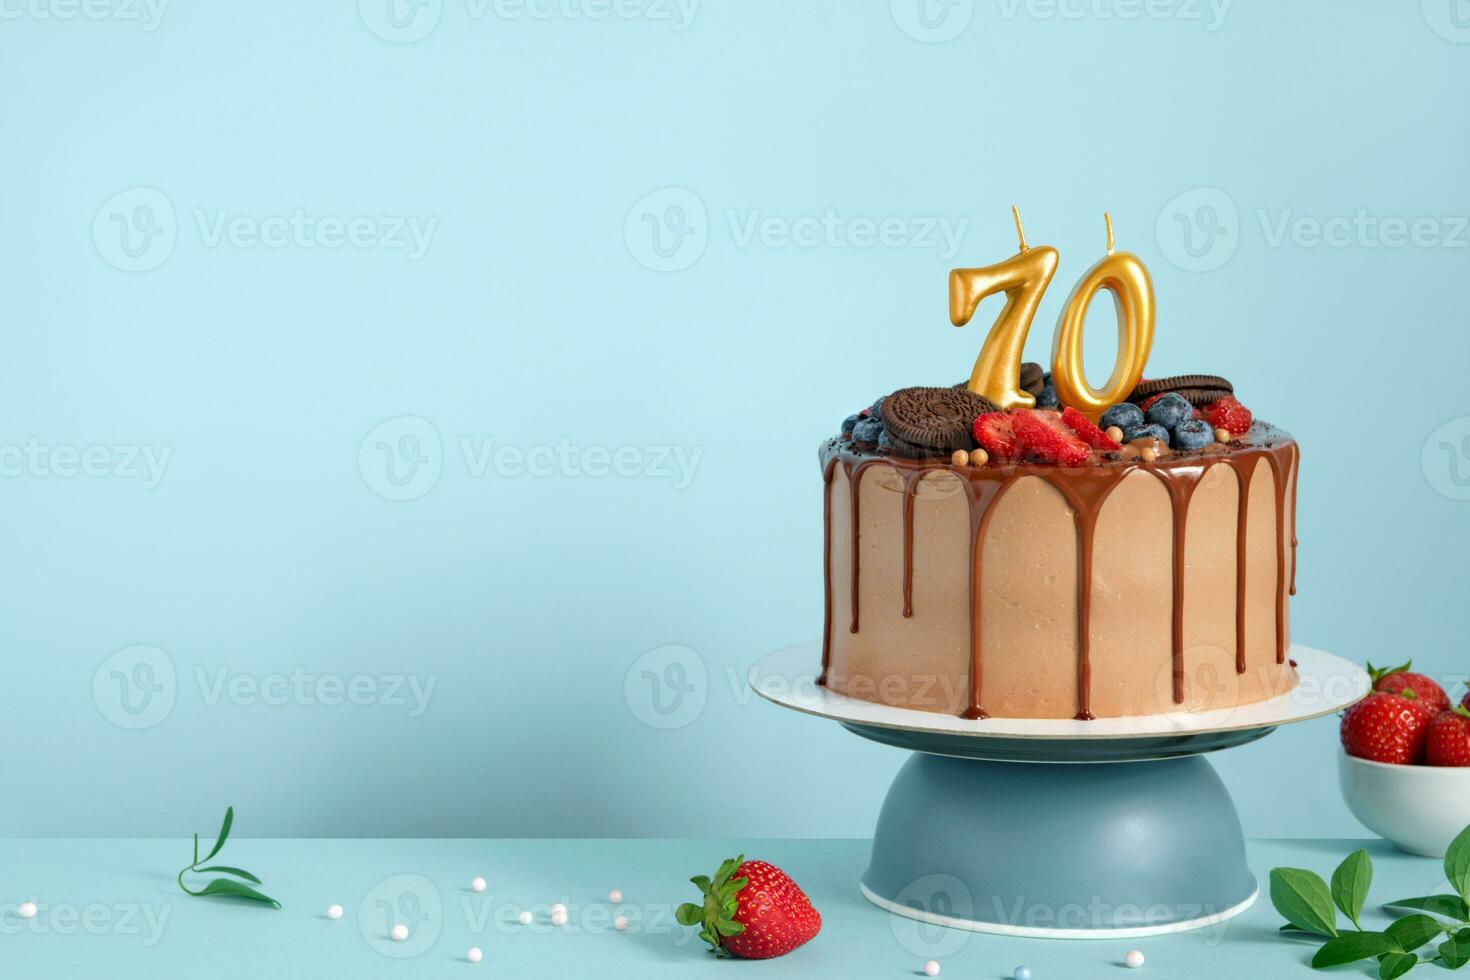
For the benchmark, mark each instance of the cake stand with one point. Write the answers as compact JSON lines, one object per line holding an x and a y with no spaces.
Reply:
{"x":1063,"y":829}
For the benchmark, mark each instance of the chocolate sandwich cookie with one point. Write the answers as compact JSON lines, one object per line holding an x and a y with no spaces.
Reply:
{"x":933,"y":419}
{"x":1033,"y":377}
{"x":1197,"y":389}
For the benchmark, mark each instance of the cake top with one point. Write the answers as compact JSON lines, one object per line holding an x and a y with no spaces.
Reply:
{"x":1188,"y":415}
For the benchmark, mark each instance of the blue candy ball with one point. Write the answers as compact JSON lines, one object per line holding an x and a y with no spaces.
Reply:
{"x":1170,"y":410}
{"x":1192,"y":434}
{"x":849,"y":423}
{"x":1125,"y":415}
{"x":1149,"y":431}
{"x":1022,"y":973}
{"x":867,"y":430}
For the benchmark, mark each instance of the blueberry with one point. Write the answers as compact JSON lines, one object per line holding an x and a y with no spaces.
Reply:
{"x":1048,"y":397}
{"x":1170,"y":410}
{"x":877,"y":409}
{"x":1125,"y":415}
{"x":848,"y":424}
{"x":884,"y":443}
{"x":867,"y":430}
{"x":1147,"y":432}
{"x":1193,"y":434}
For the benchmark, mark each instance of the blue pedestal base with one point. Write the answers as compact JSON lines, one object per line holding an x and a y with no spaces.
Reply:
{"x":1080,"y":850}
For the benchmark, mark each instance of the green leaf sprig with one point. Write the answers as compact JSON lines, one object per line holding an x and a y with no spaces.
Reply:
{"x":1310,"y":907}
{"x":716,"y":915}
{"x":224,"y":886}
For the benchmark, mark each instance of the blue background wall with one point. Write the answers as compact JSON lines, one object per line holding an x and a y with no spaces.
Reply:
{"x":187,"y":635}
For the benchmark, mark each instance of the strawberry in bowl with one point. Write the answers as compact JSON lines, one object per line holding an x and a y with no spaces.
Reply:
{"x":1405,"y":761}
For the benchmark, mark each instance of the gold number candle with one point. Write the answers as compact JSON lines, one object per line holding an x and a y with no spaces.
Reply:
{"x":1024,"y":278}
{"x":1123,"y":275}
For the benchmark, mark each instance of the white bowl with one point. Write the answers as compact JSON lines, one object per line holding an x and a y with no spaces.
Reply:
{"x":1418,"y":809}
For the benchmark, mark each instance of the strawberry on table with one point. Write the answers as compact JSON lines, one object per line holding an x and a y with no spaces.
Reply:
{"x":1385,"y":727}
{"x":1448,"y":743}
{"x":1399,"y":679}
{"x":751,"y":909}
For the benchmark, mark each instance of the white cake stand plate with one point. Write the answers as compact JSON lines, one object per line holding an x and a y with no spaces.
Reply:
{"x":1134,"y":835}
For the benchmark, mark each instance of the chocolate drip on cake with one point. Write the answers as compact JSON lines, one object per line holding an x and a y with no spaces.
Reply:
{"x":1086,"y":490}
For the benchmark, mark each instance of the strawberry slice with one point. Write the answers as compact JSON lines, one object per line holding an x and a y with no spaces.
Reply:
{"x":1086,"y":430}
{"x":1042,"y":437}
{"x":1228,"y":414}
{"x":995,"y":431}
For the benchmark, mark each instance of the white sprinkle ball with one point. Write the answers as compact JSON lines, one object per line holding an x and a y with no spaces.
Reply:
{"x":27,"y":910}
{"x":399,"y":932}
{"x":931,"y":968}
{"x":477,"y":883}
{"x":615,"y":896}
{"x":1134,"y":958}
{"x":475,"y":954}
{"x":334,"y":911}
{"x":558,"y":907}
{"x":621,"y":923}
{"x":524,"y":918}
{"x":558,"y":918}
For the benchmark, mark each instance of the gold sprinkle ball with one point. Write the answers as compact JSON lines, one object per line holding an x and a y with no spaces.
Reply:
{"x":1114,"y":433}
{"x":960,"y":458}
{"x":979,"y":458}
{"x":1149,"y":454}
{"x":1222,"y":435}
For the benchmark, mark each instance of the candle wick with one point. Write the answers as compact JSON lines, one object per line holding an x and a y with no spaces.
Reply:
{"x":1020,"y":233}
{"x":1108,"y":219}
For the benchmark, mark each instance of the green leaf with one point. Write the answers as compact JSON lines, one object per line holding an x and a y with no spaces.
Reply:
{"x":1353,"y":946}
{"x":224,"y":833}
{"x":689,"y":914}
{"x":1457,"y":863}
{"x":226,"y":869}
{"x":1303,"y":900}
{"x":1350,"y":884}
{"x":727,"y":927}
{"x":234,"y":889}
{"x":196,"y":851}
{"x":1455,"y":950}
{"x":1378,"y":673}
{"x":701,"y":882}
{"x":1449,"y":906}
{"x":1413,"y":931}
{"x":1392,"y":965}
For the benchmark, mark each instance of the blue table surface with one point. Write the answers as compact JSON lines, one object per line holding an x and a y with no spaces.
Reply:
{"x":112,"y":908}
